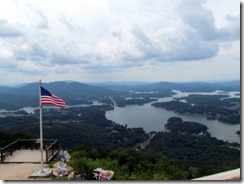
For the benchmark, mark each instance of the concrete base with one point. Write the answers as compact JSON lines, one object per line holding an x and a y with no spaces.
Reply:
{"x":39,"y":174}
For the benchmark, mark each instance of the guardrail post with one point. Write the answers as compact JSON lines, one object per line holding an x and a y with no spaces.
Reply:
{"x":11,"y":149}
{"x":47,"y":156}
{"x":32,"y":144}
{"x":19,"y":145}
{"x":2,"y":156}
{"x":52,"y":149}
{"x":36,"y":144}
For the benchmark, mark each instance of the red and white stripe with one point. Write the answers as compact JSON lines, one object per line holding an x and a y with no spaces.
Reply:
{"x":53,"y":100}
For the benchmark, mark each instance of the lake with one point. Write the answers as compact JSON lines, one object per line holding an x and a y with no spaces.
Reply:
{"x":153,"y":119}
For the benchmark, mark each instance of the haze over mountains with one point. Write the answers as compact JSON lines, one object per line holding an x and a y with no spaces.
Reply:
{"x":74,"y":88}
{"x":60,"y":87}
{"x":184,"y":86}
{"x":28,"y":95}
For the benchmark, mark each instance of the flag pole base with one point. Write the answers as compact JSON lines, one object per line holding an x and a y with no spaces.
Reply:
{"x":39,"y":173}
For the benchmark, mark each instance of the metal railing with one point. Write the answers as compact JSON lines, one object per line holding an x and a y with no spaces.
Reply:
{"x":49,"y":145}
{"x":51,"y":151}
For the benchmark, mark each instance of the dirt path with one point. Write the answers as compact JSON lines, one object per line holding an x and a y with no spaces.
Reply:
{"x":144,"y":144}
{"x":17,"y":171}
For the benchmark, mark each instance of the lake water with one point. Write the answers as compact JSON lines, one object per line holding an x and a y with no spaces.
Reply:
{"x":32,"y":109}
{"x":153,"y":119}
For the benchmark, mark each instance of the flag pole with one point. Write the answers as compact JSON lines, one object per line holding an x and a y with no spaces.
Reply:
{"x":41,"y":133}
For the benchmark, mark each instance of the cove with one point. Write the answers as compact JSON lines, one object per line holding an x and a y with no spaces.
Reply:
{"x":153,"y":119}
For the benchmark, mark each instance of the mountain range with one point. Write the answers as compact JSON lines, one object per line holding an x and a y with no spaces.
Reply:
{"x":28,"y":94}
{"x":58,"y":88}
{"x":73,"y":88}
{"x":181,"y":86}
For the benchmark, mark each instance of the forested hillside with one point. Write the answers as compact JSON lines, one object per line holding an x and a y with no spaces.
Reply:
{"x":80,"y":93}
{"x":181,"y":154}
{"x":74,"y":126}
{"x":28,"y":95}
{"x":186,"y":150}
{"x":8,"y":137}
{"x":205,"y":153}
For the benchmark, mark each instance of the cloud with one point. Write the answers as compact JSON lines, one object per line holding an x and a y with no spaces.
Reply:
{"x":196,"y":16}
{"x":189,"y":46}
{"x":9,"y":30}
{"x":33,"y":53}
{"x":231,"y":31}
{"x":38,"y":53}
{"x":183,"y":45}
{"x":194,"y":38}
{"x":114,"y":36}
{"x":115,"y":40}
{"x":66,"y":59}
{"x":42,"y":22}
{"x":69,"y":23}
{"x":6,"y":64}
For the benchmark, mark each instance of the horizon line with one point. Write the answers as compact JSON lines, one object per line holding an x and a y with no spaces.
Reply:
{"x":104,"y":82}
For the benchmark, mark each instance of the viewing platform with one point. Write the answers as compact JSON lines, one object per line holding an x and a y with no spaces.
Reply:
{"x":28,"y":151}
{"x":25,"y":156}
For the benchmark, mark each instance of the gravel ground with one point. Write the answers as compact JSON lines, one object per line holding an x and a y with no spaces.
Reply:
{"x":17,"y":171}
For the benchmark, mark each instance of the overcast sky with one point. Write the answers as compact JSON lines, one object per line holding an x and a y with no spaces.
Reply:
{"x":119,"y":40}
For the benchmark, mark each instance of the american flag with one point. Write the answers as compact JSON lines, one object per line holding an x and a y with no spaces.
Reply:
{"x":50,"y":99}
